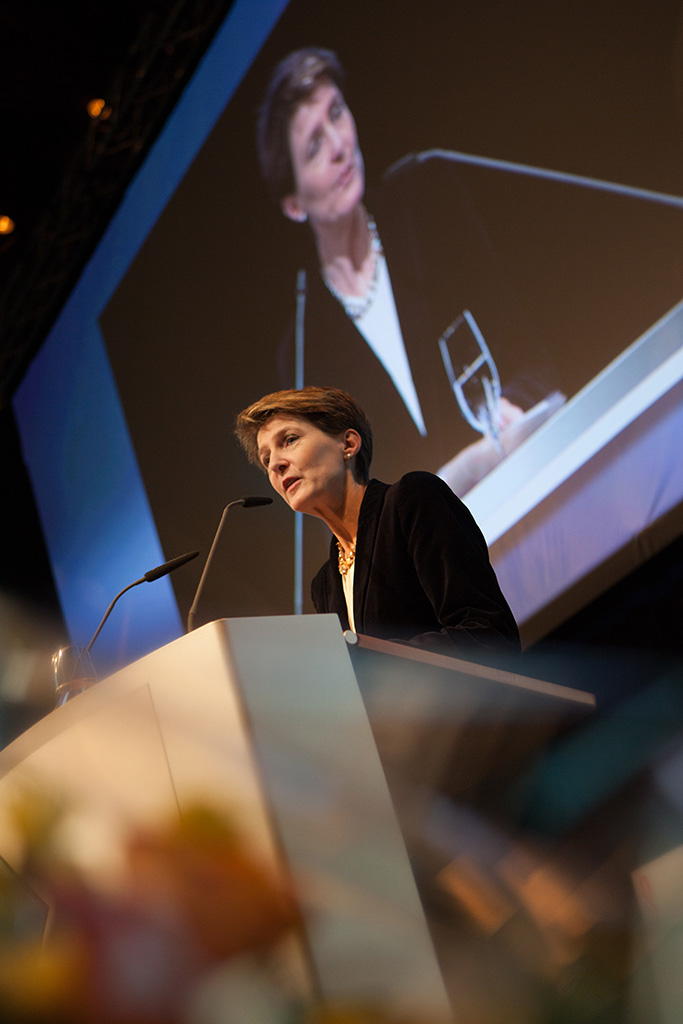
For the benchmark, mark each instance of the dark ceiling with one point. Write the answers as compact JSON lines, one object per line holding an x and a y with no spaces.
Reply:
{"x":63,"y":174}
{"x":61,"y":178}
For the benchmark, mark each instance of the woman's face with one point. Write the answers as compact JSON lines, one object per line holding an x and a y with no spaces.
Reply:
{"x":327,"y":163}
{"x":305,"y":465}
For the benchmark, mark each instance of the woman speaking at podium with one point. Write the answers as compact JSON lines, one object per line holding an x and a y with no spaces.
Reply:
{"x":407,"y":561}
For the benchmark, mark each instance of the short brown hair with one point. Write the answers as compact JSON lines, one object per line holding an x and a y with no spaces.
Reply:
{"x":292,"y":83}
{"x":330,"y":409}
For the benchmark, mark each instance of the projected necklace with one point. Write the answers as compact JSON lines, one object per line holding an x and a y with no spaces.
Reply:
{"x":356,"y":306}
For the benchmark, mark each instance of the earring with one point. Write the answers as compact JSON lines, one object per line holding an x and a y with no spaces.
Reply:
{"x":347,"y":456}
{"x":302,"y":217}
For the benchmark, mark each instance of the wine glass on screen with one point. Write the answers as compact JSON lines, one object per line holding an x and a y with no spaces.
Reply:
{"x":473,"y":375}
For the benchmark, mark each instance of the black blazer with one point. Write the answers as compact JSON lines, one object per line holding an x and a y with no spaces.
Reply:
{"x":422,"y":573}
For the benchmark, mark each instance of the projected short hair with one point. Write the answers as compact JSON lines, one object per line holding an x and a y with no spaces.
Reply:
{"x":330,"y":409}
{"x":292,"y":83}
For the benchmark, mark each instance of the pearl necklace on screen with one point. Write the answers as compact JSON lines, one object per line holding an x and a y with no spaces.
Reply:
{"x":346,"y":561}
{"x":353,"y":307}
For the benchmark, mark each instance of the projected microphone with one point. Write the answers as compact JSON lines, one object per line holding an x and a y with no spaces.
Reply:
{"x":245,"y":503}
{"x":299,"y":329}
{"x":149,"y":577}
{"x":545,"y":173}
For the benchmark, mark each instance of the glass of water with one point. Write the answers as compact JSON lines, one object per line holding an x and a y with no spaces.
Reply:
{"x":74,"y":672}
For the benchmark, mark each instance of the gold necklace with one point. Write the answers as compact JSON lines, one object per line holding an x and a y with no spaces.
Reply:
{"x":346,"y":561}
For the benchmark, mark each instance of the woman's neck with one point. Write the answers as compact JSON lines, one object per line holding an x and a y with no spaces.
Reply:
{"x":342,"y":518}
{"x":345,"y":252}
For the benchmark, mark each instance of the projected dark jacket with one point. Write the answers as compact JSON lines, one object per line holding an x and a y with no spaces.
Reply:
{"x":422,"y":573}
{"x":440,"y":263}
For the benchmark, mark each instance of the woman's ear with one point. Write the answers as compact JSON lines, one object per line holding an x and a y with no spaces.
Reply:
{"x":292,"y":208}
{"x":352,"y":443}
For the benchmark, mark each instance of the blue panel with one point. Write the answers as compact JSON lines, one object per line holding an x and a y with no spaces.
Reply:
{"x":96,"y":518}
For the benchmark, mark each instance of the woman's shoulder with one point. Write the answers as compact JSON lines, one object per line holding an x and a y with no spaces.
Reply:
{"x":425,"y":495}
{"x":415,"y":490}
{"x":418,"y":489}
{"x":419,"y":483}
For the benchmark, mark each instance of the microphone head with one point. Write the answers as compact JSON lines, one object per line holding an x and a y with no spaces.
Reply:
{"x":253,"y":501}
{"x":163,"y":570}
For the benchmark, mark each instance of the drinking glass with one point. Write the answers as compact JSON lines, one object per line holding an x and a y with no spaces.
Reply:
{"x":473,"y":375}
{"x":74,"y":672}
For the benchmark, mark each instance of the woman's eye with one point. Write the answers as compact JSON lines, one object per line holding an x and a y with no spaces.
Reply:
{"x":290,"y":438}
{"x":335,"y":111}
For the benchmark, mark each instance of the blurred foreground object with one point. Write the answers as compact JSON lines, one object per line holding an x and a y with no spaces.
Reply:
{"x":191,"y":898}
{"x":237,"y":718}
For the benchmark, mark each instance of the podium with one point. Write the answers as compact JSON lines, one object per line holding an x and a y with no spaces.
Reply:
{"x":272,"y":719}
{"x":456,"y":726}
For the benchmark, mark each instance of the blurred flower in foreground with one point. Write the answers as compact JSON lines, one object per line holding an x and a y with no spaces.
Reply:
{"x":229,"y":901}
{"x":191,"y":898}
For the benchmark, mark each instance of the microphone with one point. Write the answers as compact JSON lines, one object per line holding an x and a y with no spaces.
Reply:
{"x":163,"y":570}
{"x":547,"y":174}
{"x":252,"y":502}
{"x":149,"y":577}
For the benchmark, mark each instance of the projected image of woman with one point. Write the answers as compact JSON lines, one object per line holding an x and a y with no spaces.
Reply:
{"x":407,"y":562}
{"x":375,"y":295}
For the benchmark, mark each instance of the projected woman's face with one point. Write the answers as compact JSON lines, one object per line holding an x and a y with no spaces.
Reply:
{"x":328,"y":165}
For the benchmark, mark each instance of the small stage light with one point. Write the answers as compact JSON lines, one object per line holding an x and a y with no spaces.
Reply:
{"x":7,"y":225}
{"x":98,"y":110}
